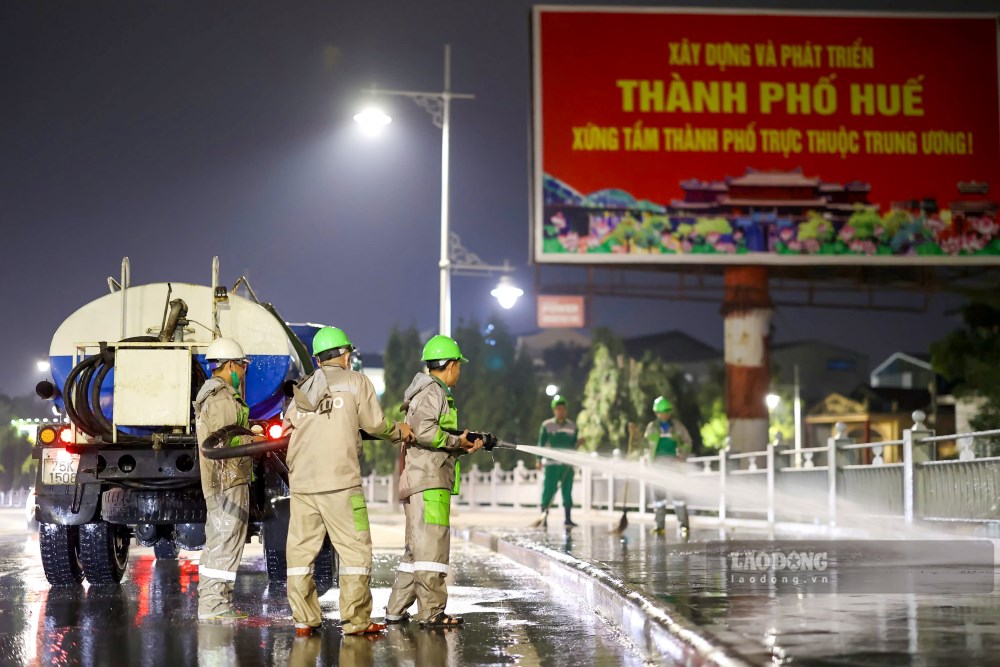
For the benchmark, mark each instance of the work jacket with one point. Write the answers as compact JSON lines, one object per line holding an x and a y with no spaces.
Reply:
{"x":557,"y":435}
{"x":668,"y":438}
{"x":323,"y":418}
{"x":216,"y":406}
{"x":432,"y":461}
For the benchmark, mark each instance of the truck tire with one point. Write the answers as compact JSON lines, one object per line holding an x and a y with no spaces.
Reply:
{"x":60,"y":548}
{"x":104,"y":551}
{"x":276,"y":565}
{"x":132,"y":506}
{"x":165,"y":549}
{"x":323,"y":569}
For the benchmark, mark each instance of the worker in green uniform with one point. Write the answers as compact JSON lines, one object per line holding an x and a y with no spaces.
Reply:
{"x":429,"y":478}
{"x":668,"y":440}
{"x":559,"y":432}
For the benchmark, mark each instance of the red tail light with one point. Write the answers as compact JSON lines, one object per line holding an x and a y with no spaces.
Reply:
{"x":66,"y":435}
{"x":274,"y":430}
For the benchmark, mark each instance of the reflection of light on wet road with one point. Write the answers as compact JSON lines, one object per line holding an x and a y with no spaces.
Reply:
{"x":461,"y":600}
{"x":512,"y":617}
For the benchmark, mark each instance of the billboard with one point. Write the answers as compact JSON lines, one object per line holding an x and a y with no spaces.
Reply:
{"x":557,"y":311}
{"x":742,"y":137}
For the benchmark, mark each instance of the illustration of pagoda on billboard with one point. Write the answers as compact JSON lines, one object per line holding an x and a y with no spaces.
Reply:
{"x":780,"y":212}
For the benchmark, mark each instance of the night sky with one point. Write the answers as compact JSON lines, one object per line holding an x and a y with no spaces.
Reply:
{"x":174,"y":131}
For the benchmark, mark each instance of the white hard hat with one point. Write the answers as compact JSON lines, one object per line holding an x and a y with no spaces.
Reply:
{"x":224,"y":349}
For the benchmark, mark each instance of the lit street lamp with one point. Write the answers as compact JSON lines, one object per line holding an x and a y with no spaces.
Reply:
{"x":551,"y":390}
{"x":42,"y":366}
{"x":438,"y":105}
{"x":372,"y":120}
{"x":506,"y":292}
{"x":772,"y":401}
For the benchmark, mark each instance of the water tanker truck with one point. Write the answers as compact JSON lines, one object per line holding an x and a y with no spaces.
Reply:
{"x":124,"y":462}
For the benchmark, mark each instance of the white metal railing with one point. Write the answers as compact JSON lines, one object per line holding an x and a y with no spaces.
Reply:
{"x":13,"y":498}
{"x":918,"y":487}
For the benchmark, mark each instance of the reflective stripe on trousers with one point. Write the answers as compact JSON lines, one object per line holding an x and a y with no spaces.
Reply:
{"x":212,"y":573}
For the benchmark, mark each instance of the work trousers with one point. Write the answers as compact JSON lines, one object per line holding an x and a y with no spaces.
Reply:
{"x":422,"y":571}
{"x":225,"y":535}
{"x":557,"y":474}
{"x":343,"y":515}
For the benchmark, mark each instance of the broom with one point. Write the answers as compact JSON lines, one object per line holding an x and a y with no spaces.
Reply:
{"x":623,"y":522}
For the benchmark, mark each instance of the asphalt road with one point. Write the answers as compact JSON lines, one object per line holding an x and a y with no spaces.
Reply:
{"x":512,"y":616}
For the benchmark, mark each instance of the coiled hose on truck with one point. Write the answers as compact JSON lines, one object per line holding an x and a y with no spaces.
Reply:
{"x":82,"y":392}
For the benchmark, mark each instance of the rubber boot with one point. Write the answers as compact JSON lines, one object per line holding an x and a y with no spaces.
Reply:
{"x":660,"y":518}
{"x":681,"y":510}
{"x":569,"y":522}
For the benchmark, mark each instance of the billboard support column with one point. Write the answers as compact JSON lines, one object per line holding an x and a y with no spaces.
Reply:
{"x":747,"y":310}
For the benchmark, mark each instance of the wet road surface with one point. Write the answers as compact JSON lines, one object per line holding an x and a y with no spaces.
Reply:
{"x":512,"y":617}
{"x":810,"y":629}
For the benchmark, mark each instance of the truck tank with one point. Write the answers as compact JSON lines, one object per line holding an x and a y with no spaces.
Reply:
{"x":264,"y":337}
{"x":124,"y":465}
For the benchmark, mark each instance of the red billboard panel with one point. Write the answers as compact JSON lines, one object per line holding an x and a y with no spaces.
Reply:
{"x":665,"y":136}
{"x":560,"y":312}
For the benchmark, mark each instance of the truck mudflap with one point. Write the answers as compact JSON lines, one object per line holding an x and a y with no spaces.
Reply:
{"x":67,"y":505}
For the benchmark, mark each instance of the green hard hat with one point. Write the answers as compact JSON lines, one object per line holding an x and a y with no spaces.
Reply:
{"x":442,"y":347}
{"x":330,"y":338}
{"x":558,"y":400}
{"x":661,"y":404}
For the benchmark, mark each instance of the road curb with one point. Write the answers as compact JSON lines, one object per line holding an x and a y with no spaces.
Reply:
{"x":652,"y":625}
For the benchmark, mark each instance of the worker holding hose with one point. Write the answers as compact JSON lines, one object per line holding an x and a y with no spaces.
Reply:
{"x":324,"y":474}
{"x":225,"y":482}
{"x":430,"y":476}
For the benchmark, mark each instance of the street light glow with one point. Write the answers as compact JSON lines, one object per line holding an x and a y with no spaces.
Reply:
{"x":772,"y":401}
{"x":551,"y":390}
{"x":507,"y":293}
{"x":43,"y":366}
{"x":372,"y":120}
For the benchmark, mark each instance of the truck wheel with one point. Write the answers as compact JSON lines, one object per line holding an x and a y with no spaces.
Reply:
{"x":104,"y":551}
{"x":165,"y":549}
{"x":323,"y":568}
{"x":60,"y":547}
{"x":274,"y":559}
{"x":277,"y":566}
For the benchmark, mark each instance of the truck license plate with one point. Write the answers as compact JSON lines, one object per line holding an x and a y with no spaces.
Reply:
{"x":59,"y":466}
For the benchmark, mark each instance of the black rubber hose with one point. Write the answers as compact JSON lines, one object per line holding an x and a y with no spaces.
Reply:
{"x":81,"y":398}
{"x":68,"y":396}
{"x":213,"y":448}
{"x":94,"y":405}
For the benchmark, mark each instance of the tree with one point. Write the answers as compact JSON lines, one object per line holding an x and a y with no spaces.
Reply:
{"x":400,"y":361}
{"x":969,"y":359}
{"x":16,"y":464}
{"x":711,"y":400}
{"x":498,"y":391}
{"x":607,"y":402}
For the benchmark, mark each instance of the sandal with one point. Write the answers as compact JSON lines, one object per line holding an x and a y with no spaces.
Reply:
{"x":403,"y":618}
{"x":372,"y":629}
{"x":442,"y":620}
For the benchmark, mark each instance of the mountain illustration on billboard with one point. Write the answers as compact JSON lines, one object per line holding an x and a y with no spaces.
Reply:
{"x":768,"y":211}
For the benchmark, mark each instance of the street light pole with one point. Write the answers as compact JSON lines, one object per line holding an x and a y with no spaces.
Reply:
{"x":444,"y":314}
{"x":438,"y":105}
